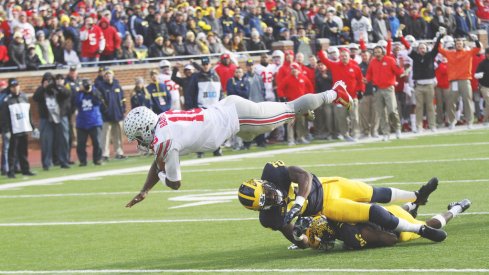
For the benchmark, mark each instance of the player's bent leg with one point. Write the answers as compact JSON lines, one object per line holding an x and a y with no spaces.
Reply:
{"x":454,"y":209}
{"x":345,"y":210}
{"x":309,"y":102}
{"x":259,"y":118}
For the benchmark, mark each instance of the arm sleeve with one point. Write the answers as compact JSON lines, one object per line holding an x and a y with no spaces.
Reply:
{"x":324,"y":59}
{"x":363,"y":46}
{"x":405,"y":43}
{"x":388,"y":48}
{"x":172,"y":166}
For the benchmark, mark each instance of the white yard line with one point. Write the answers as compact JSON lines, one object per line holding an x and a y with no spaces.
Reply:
{"x":34,"y":224}
{"x":258,"y":270}
{"x":176,"y":192}
{"x":267,"y":153}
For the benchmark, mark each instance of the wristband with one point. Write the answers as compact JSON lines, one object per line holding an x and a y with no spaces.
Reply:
{"x":162,"y":176}
{"x":300,"y":200}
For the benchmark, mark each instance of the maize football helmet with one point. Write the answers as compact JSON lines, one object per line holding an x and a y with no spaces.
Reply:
{"x":320,"y":233}
{"x":256,"y":194}
{"x":139,"y":125}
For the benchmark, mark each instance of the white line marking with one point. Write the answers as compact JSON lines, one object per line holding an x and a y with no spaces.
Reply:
{"x":176,"y":192}
{"x":258,"y":270}
{"x":29,"y":224}
{"x":220,"y":159}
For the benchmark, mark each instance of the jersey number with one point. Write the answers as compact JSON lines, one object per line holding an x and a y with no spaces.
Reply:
{"x":267,"y":77}
{"x":92,"y":40}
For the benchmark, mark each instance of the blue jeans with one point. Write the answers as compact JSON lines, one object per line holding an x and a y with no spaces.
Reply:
{"x":95,"y":134}
{"x":5,"y":146}
{"x":54,"y":134}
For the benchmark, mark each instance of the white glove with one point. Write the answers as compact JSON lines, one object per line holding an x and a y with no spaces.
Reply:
{"x":473,"y":37}
{"x":36,"y":134}
{"x":479,"y":75}
{"x":162,"y":177}
{"x":293,"y":247}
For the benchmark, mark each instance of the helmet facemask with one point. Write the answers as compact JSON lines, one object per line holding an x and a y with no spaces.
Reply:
{"x":271,"y":196}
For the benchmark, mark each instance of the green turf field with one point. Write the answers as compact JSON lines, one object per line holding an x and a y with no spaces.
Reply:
{"x":82,"y":226}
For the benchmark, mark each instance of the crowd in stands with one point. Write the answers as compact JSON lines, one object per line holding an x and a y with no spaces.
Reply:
{"x":56,"y":33}
{"x":408,"y":66}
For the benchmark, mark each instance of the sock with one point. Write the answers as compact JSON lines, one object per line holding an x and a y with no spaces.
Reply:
{"x":312,"y":101}
{"x":405,"y":226}
{"x":413,"y":122}
{"x":410,"y":206}
{"x":441,"y":219}
{"x":457,"y":209}
{"x":399,"y":195}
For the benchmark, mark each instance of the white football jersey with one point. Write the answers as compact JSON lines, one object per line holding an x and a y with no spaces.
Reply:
{"x":174,"y":90}
{"x":267,"y":73}
{"x":198,"y":130}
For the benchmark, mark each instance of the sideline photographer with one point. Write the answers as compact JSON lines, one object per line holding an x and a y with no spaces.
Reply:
{"x":88,"y":122}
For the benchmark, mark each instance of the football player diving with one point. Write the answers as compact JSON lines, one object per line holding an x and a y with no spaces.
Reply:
{"x":284,"y":193}
{"x":322,"y":232}
{"x":175,"y":133}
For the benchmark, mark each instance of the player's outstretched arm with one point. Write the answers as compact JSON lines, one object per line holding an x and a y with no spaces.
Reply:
{"x":288,"y":230}
{"x":304,"y":180}
{"x":151,"y":180}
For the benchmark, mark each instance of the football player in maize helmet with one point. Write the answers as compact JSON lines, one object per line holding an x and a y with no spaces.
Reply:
{"x":322,"y":232}
{"x":283,"y":193}
{"x":175,"y":133}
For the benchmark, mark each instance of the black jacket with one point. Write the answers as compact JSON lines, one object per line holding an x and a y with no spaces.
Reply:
{"x":484,"y":68}
{"x":423,"y":66}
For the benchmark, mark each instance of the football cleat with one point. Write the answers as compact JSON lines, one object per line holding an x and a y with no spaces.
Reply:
{"x":424,"y":192}
{"x":430,"y":233}
{"x":465,"y":204}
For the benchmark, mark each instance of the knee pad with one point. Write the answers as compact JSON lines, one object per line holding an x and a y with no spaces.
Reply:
{"x":381,"y":194}
{"x":382,"y":217}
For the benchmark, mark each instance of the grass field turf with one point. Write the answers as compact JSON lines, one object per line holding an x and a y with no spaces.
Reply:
{"x":225,"y":237}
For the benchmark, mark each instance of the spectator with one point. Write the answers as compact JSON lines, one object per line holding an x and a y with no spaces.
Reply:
{"x":191,"y":47}
{"x":57,"y":48}
{"x":24,"y":28}
{"x":168,"y":49}
{"x":459,"y":62}
{"x":4,"y":93}
{"x":70,"y":55}
{"x":140,"y":49}
{"x":215,"y":45}
{"x":302,"y":43}
{"x":330,"y":29}
{"x":43,"y":49}
{"x":482,"y":74}
{"x":156,"y":49}
{"x":360,"y":26}
{"x":415,"y":25}
{"x":173,"y":88}
{"x":53,"y":102}
{"x":188,"y":70}
{"x":463,"y":28}
{"x":179,"y":46}
{"x":294,"y":86}
{"x":424,"y":76}
{"x":4,"y":57}
{"x":442,"y":91}
{"x":16,"y":122}
{"x":17,"y":51}
{"x":178,"y":27}
{"x":113,"y":110}
{"x":472,"y":20}
{"x":112,"y":40}
{"x":202,"y":43}
{"x":255,"y":43}
{"x":93,"y":42}
{"x":88,"y":122}
{"x":380,"y":26}
{"x":366,"y":105}
{"x":32,"y":61}
{"x":227,"y":22}
{"x":160,"y":95}
{"x":128,"y":50}
{"x":225,"y":70}
{"x":140,"y":96}
{"x":382,"y":72}
{"x":323,"y":123}
{"x":268,"y":38}
{"x":156,"y":27}
{"x":213,"y":22}
{"x":136,"y":25}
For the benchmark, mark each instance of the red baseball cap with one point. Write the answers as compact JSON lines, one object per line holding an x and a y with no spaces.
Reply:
{"x":224,"y":56}
{"x":345,"y":50}
{"x":291,"y":52}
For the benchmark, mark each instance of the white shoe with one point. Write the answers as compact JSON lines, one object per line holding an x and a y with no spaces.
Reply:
{"x":303,"y":140}
{"x":398,"y":134}
{"x":291,"y":143}
{"x":350,"y":139}
{"x":452,"y":125}
{"x":469,"y":126}
{"x":340,"y":137}
{"x":385,"y":138}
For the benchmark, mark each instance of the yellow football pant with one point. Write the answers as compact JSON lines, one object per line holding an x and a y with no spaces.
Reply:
{"x":346,"y":200}
{"x":397,"y":211}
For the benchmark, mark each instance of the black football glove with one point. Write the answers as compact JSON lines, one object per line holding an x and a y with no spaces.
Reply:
{"x":294,"y":212}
